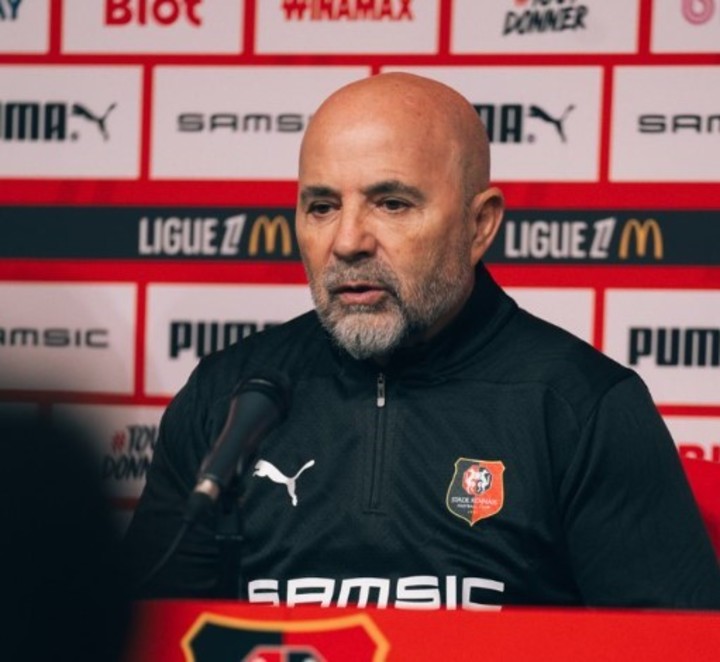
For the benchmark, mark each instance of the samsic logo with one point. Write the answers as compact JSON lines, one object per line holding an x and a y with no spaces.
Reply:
{"x":152,"y":12}
{"x":348,"y":10}
{"x":9,"y":9}
{"x":691,"y":347}
{"x":698,"y":12}
{"x":50,"y":122}
{"x":679,"y":123}
{"x":131,"y":450}
{"x":545,"y":16}
{"x":242,"y":123}
{"x":505,"y":123}
{"x":56,"y":337}
{"x":202,"y":338}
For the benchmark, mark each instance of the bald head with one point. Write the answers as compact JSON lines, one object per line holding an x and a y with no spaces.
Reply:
{"x":406,"y":103}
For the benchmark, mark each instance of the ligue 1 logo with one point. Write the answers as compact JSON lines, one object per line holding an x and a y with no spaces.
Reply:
{"x":476,"y":490}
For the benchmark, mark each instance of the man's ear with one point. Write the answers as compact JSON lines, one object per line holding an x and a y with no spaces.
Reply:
{"x":486,"y":212}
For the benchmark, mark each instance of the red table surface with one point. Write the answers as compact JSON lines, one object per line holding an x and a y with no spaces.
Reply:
{"x":163,"y":631}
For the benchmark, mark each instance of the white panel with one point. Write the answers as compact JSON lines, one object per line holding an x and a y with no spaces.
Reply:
{"x":555,"y":112}
{"x":340,"y":27}
{"x":152,"y":26}
{"x":24,"y":26}
{"x":671,"y":337}
{"x":69,"y":337}
{"x":570,"y":308}
{"x":666,"y":124}
{"x":230,"y":99}
{"x":545,"y":26}
{"x":124,"y":439}
{"x":185,"y":322}
{"x":685,"y":26}
{"x":77,"y":122}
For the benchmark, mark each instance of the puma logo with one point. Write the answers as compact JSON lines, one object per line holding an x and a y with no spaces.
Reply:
{"x":84,"y":112}
{"x":263,"y":469}
{"x":558,"y":123}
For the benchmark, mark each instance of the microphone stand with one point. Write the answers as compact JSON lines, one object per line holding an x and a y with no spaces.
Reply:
{"x":230,"y":540}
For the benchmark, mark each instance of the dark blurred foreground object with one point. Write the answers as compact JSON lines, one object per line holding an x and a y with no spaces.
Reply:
{"x":62,"y":580}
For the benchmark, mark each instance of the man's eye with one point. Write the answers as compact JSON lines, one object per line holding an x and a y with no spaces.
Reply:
{"x":393,"y":204}
{"x":320,"y":208}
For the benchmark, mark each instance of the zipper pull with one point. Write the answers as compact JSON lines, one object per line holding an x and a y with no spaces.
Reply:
{"x":381,"y":390}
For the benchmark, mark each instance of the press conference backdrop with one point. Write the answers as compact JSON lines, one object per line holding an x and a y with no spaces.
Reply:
{"x":148,"y":155}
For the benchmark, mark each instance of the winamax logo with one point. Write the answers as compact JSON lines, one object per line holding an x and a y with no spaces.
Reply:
{"x":152,"y":12}
{"x":506,"y":123}
{"x":9,"y":10}
{"x":540,"y":16}
{"x":130,"y":453}
{"x":51,"y":121}
{"x":348,"y":10}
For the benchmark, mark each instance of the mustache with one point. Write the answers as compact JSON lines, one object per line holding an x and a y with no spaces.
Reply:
{"x":376,"y":273}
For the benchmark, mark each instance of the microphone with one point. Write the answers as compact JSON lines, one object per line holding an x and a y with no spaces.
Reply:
{"x":257,"y":405}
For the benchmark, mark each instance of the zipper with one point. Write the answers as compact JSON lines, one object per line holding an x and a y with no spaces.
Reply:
{"x":378,"y":449}
{"x":380,"y":390}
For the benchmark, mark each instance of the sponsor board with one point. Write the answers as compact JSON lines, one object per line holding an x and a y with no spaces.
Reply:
{"x":611,"y":236}
{"x":70,"y":121}
{"x":24,"y":26}
{"x":671,"y":338}
{"x":554,"y":236}
{"x":124,"y":439}
{"x":545,"y":26}
{"x":347,"y":26}
{"x":186,"y":322}
{"x":157,"y":233}
{"x":152,"y":26}
{"x":236,"y":122}
{"x":658,"y":136}
{"x":686,"y":26}
{"x":569,"y":308}
{"x":526,"y":236}
{"x":696,"y":436}
{"x":543,"y":122}
{"x":67,"y":337}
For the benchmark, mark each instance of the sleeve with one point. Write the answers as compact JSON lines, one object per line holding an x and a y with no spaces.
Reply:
{"x":634,"y":533}
{"x":192,"y":571}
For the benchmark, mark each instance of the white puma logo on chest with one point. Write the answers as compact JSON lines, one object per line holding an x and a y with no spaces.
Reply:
{"x":263,"y":469}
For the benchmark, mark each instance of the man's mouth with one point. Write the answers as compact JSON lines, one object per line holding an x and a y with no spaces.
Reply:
{"x":359,"y":293}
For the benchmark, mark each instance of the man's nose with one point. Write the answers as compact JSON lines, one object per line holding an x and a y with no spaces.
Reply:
{"x":354,"y":236}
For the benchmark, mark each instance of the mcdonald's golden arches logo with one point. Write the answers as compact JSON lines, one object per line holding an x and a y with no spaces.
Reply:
{"x":270,"y":228}
{"x":641,"y":232}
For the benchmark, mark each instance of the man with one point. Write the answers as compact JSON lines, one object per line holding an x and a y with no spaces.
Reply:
{"x":444,"y":448}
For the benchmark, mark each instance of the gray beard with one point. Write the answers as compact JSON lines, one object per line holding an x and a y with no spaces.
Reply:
{"x":367,"y":331}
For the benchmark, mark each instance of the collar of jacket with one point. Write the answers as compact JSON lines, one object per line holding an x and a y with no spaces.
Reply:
{"x":486,"y":311}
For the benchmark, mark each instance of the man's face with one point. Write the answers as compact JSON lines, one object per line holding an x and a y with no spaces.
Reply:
{"x":384,"y":233}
